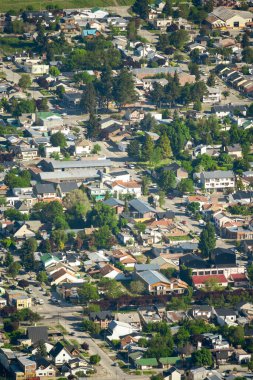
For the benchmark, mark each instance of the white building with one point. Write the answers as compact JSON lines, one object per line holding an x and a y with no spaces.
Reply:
{"x":218,"y":180}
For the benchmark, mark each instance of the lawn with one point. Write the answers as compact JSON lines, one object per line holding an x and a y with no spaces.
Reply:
{"x":6,"y":5}
{"x":12,"y":44}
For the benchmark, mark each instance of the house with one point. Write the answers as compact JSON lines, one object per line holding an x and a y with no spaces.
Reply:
{"x":156,"y":283}
{"x":141,"y":210}
{"x":213,"y":95}
{"x":223,"y":17}
{"x":201,"y":281}
{"x":24,"y":232}
{"x":49,"y":119}
{"x":45,"y":191}
{"x":82,"y":147}
{"x":102,"y":318}
{"x":123,"y":188}
{"x":111,"y":272}
{"x":239,"y":280}
{"x":223,"y":256}
{"x":60,"y":354}
{"x":27,"y":367}
{"x":179,"y":172}
{"x":134,"y":115}
{"x":228,"y":110}
{"x":48,"y":260}
{"x":37,"y":333}
{"x":218,"y":180}
{"x":64,"y":275}
{"x":146,"y":363}
{"x":45,"y":369}
{"x":235,"y":151}
{"x":66,"y":187}
{"x":124,"y":258}
{"x":198,"y":373}
{"x":116,"y":204}
{"x":202,"y":311}
{"x":172,"y":374}
{"x":133,"y":318}
{"x":18,"y":299}
{"x":241,"y":356}
{"x":119,"y":329}
{"x":225,"y":316}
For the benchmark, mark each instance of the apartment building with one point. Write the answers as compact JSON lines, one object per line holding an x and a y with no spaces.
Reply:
{"x":218,"y":180}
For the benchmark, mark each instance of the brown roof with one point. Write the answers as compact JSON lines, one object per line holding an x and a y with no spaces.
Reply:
{"x":108,"y":268}
{"x":130,"y":184}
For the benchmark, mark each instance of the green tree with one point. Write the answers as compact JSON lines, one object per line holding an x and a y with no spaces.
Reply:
{"x":88,"y":102}
{"x":54,"y":71}
{"x":93,"y":127}
{"x":96,"y":149}
{"x":164,"y":144}
{"x":59,"y":238}
{"x":58,"y":139}
{"x":141,"y":8}
{"x":77,"y":203}
{"x":41,"y":349}
{"x":60,"y":91}
{"x":88,"y":292}
{"x":13,"y":269}
{"x":168,"y":8}
{"x":167,"y":180}
{"x":8,"y":260}
{"x":137,"y":287}
{"x":202,"y":357}
{"x":193,"y":207}
{"x":186,"y":185}
{"x":124,"y":88}
{"x":207,"y":240}
{"x":25,"y":81}
{"x":145,"y":182}
{"x":133,"y":149}
{"x":194,"y":70}
{"x":17,"y":178}
{"x":148,"y":123}
{"x":147,"y":148}
{"x":179,"y":38}
{"x":102,"y":238}
{"x":91,"y":327}
{"x":95,"y":359}
{"x":247,"y":55}
{"x":211,"y":80}
{"x":42,"y":277}
{"x":162,"y":197}
{"x":103,"y":215}
{"x":105,"y":86}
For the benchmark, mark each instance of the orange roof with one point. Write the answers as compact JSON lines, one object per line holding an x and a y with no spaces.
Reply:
{"x":130,"y":184}
{"x":197,"y":198}
{"x":160,"y":223}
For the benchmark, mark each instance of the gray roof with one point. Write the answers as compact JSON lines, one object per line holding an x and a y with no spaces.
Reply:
{"x":43,"y":188}
{"x":72,"y":174}
{"x":72,"y":164}
{"x":157,"y":70}
{"x":141,"y":206}
{"x":37,"y":333}
{"x":66,"y":187}
{"x":218,"y":174}
{"x":152,"y":276}
{"x":113,"y":202}
{"x":145,"y":267}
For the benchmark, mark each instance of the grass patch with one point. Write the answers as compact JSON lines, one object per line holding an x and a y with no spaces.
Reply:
{"x":13,"y":44}
{"x":180,"y":238}
{"x":6,"y":5}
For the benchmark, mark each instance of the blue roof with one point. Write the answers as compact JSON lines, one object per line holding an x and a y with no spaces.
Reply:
{"x":89,"y":32}
{"x":141,"y":206}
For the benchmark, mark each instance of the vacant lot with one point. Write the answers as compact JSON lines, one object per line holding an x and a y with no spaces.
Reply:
{"x":16,"y":5}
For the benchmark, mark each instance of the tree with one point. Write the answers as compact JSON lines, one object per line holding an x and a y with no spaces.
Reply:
{"x":25,"y":81}
{"x":13,"y":269}
{"x":54,"y":71}
{"x":162,"y":196}
{"x":88,"y":102}
{"x":186,"y":185}
{"x":91,"y":327}
{"x":124,"y":88}
{"x":137,"y":287}
{"x":103,"y":215}
{"x":179,"y":38}
{"x":193,"y":207}
{"x":96,"y":149}
{"x":167,"y":180}
{"x":211,"y":80}
{"x":157,"y":94}
{"x":102,"y":238}
{"x":197,"y":106}
{"x":95,"y":359}
{"x":93,"y":127}
{"x":8,"y":260}
{"x":59,"y":238}
{"x":42,"y":277}
{"x":148,"y":123}
{"x":88,"y":292}
{"x":58,"y":139}
{"x":202,"y":357}
{"x":207,"y":240}
{"x":42,"y":104}
{"x":147,"y":148}
{"x":105,"y":86}
{"x":168,"y":8}
{"x":133,"y":149}
{"x":77,"y":203}
{"x":247,"y":55}
{"x":141,"y":8}
{"x":164,"y":144}
{"x":245,"y":41}
{"x":145,"y":182}
{"x":41,"y":349}
{"x":60,"y":91}
{"x":194,"y":70}
{"x":17,"y":178}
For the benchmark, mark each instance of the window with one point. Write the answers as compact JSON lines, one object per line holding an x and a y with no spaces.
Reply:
{"x":236,"y":24}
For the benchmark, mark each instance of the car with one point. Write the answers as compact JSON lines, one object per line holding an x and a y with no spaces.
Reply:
{"x":72,"y":333}
{"x":53,"y":299}
{"x":29,"y":291}
{"x":41,"y":302}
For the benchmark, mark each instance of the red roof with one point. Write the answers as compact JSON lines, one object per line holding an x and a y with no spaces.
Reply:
{"x":239,"y":277}
{"x":198,"y":280}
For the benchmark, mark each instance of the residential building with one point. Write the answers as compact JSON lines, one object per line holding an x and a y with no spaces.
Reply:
{"x":156,"y":283}
{"x":218,"y":180}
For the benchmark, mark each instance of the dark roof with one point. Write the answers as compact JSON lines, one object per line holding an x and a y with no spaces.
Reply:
{"x":222,"y":354}
{"x":101,"y":315}
{"x":42,"y":361}
{"x":225,"y":312}
{"x":240,"y":195}
{"x":169,"y":371}
{"x":43,"y":188}
{"x":229,"y":108}
{"x":113,"y":202}
{"x":57,"y":349}
{"x":202,"y":307}
{"x":223,"y":256}
{"x":193,"y":261}
{"x":141,"y":206}
{"x":168,"y":214}
{"x":68,"y":186}
{"x":37,"y":333}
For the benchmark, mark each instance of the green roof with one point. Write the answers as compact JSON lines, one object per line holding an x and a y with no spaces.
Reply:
{"x":147,"y":361}
{"x":95,"y":9}
{"x":46,"y":257}
{"x":44,"y":115}
{"x":169,"y":360}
